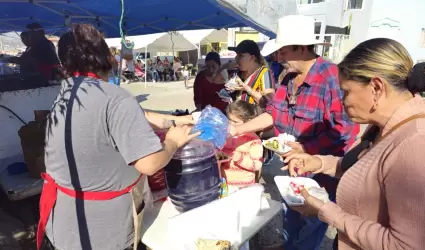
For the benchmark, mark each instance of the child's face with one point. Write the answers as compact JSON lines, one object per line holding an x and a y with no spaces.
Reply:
{"x":234,"y":119}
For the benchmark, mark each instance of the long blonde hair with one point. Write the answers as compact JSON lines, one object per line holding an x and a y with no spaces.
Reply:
{"x":381,"y":57}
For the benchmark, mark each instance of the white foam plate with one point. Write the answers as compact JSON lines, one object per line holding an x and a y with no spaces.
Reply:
{"x":283,"y":184}
{"x":282,"y":147}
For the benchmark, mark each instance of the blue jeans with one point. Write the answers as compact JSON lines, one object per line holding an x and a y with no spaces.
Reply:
{"x":301,"y":232}
{"x":154,"y":75}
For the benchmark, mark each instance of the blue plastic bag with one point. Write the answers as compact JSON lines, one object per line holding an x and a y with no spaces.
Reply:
{"x":214,"y":126}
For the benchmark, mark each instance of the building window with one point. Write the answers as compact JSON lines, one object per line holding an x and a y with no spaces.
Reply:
{"x":317,"y":26}
{"x":422,"y":42}
{"x":309,"y":1}
{"x":354,"y":4}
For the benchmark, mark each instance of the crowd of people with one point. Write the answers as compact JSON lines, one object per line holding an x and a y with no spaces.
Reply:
{"x":375,"y":182}
{"x":156,"y":70}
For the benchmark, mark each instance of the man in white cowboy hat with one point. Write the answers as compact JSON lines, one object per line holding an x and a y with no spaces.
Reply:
{"x":307,"y":105}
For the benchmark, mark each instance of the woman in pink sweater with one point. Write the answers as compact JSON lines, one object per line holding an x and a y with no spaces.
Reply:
{"x":381,"y":195}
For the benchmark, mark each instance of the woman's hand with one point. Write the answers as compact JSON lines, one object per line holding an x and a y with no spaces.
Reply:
{"x":180,"y":135}
{"x":300,"y":163}
{"x":297,"y":148}
{"x":311,"y":205}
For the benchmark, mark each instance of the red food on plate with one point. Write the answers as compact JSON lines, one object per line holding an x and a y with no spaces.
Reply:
{"x":296,"y":187}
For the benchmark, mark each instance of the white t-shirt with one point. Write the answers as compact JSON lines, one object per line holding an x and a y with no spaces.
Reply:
{"x":185,"y":72}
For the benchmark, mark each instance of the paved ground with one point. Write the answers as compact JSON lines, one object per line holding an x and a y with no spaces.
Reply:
{"x":164,"y":97}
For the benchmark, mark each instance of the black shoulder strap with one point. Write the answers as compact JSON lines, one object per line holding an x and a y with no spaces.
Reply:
{"x":352,"y":156}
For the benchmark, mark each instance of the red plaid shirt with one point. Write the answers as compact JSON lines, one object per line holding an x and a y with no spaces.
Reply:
{"x":317,"y":120}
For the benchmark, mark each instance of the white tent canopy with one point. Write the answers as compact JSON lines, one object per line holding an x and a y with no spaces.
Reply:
{"x":160,"y":42}
{"x":205,"y":36}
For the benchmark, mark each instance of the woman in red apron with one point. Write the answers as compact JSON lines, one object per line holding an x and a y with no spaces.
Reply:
{"x":99,"y":146}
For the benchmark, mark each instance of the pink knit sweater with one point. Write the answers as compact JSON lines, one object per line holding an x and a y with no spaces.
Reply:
{"x":381,"y":199}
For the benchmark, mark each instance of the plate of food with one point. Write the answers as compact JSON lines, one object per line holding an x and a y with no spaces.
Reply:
{"x":278,"y":145}
{"x":233,"y":82}
{"x":290,"y":189}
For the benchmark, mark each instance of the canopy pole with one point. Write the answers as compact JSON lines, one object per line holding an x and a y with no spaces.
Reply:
{"x":120,"y":65}
{"x":146,"y":65}
{"x":199,"y":50}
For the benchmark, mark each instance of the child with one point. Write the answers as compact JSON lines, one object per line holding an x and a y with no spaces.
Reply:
{"x":245,"y":151}
{"x":185,"y":74}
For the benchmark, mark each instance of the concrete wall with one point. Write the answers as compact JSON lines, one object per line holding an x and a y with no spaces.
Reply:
{"x":409,"y":13}
{"x":244,"y":35}
{"x":360,"y":20}
{"x":23,"y":103}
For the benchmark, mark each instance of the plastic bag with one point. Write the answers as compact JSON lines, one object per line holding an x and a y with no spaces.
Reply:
{"x":213,"y":125}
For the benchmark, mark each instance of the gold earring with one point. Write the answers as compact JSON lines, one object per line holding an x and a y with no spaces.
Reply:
{"x":375,"y":105}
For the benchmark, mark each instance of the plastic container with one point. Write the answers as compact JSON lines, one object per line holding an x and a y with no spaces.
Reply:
{"x":192,"y":176}
{"x":214,"y":126}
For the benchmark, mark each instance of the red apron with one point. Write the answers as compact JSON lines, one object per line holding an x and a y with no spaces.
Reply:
{"x":49,"y":195}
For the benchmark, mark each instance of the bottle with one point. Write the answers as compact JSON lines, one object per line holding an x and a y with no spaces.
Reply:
{"x":223,"y":188}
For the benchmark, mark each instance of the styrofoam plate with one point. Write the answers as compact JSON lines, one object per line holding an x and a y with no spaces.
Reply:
{"x":283,"y":182}
{"x":282,"y":147}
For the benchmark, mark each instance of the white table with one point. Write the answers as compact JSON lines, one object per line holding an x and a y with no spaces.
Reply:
{"x":21,"y":186}
{"x":156,"y":224}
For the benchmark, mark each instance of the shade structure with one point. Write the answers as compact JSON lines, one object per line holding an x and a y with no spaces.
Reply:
{"x":160,"y":42}
{"x":205,"y":36}
{"x":144,"y":16}
{"x":11,"y":41}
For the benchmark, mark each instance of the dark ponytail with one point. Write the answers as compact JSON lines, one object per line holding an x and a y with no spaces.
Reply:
{"x":415,"y":82}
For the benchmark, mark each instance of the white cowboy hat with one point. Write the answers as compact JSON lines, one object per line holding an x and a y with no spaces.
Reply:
{"x":292,"y":30}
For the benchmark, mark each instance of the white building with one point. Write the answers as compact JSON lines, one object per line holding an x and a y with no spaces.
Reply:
{"x":399,"y":20}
